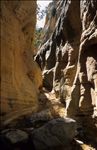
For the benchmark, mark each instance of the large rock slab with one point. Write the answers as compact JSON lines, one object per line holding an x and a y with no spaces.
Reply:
{"x":57,"y":132}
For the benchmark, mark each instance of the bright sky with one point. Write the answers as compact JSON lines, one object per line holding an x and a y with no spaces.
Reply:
{"x":43,"y":4}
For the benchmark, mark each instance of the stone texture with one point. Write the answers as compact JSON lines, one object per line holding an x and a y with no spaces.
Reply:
{"x":69,"y":63}
{"x":70,"y":52}
{"x":57,"y":132}
{"x":48,"y":79}
{"x":15,"y":135}
{"x":53,"y":11}
{"x":20,"y":76}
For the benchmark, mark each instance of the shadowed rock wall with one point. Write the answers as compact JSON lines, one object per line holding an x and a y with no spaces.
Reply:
{"x":20,"y":75}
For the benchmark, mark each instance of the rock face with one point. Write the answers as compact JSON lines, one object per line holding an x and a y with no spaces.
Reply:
{"x":20,"y":76}
{"x":57,"y":132}
{"x":69,"y":57}
{"x":53,"y":12}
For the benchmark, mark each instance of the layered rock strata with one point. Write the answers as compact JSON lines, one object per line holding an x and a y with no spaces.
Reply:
{"x":20,"y":75}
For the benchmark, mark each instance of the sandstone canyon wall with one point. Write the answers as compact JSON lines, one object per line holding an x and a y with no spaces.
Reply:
{"x":68,"y":57}
{"x":20,"y":75}
{"x":52,"y":15}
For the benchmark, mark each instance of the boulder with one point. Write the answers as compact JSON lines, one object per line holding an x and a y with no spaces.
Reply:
{"x":15,"y":136}
{"x":57,"y":132}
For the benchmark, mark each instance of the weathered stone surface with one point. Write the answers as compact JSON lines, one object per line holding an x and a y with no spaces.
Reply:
{"x":12,"y":139}
{"x":15,"y":135}
{"x":20,"y":75}
{"x":71,"y":53}
{"x":53,"y":12}
{"x":57,"y":132}
{"x":48,"y":79}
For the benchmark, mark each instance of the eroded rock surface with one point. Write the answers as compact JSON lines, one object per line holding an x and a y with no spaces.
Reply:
{"x":20,"y":75}
{"x":68,"y":58}
{"x":57,"y":132}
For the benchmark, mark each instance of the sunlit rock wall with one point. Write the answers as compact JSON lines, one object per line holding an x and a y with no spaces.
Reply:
{"x":69,"y":57}
{"x":52,"y":14}
{"x":20,"y":75}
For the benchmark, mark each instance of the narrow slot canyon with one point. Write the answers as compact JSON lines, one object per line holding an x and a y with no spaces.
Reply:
{"x":48,"y":75}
